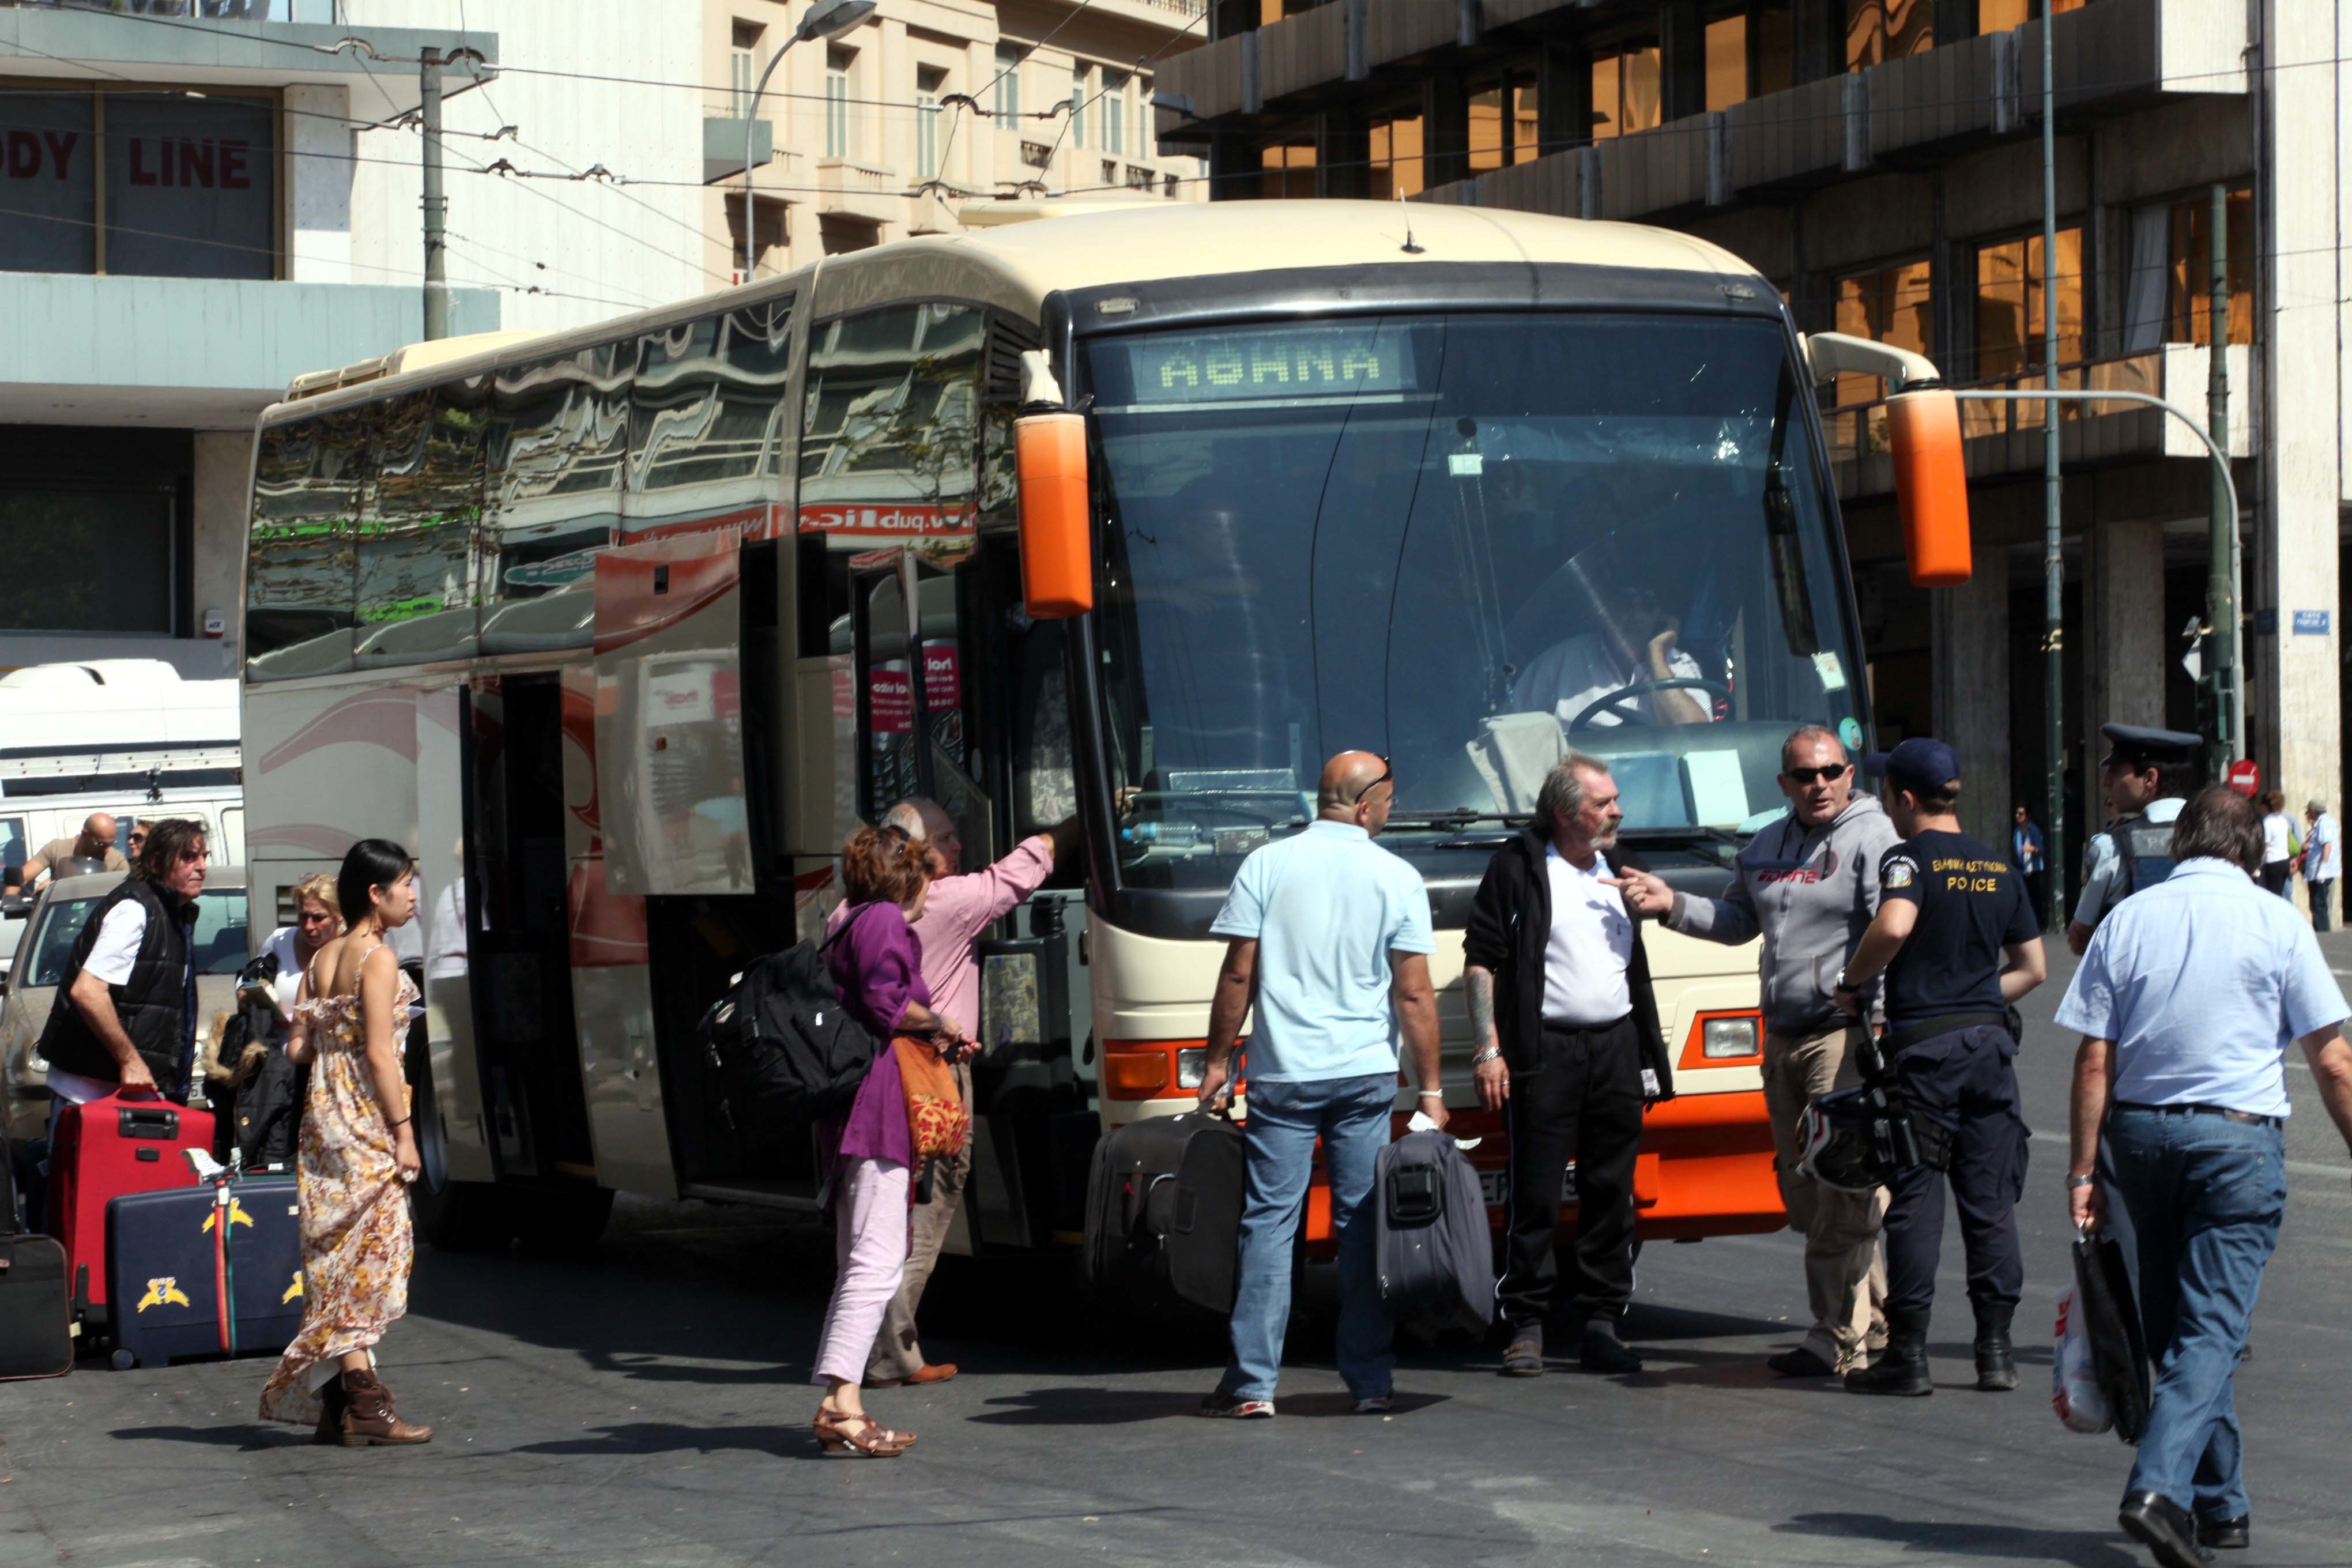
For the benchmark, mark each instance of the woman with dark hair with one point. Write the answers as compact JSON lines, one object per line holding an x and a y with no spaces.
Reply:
{"x":877,"y":963}
{"x":358,"y":1155}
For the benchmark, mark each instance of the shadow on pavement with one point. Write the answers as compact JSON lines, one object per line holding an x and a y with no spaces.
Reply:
{"x":783,"y":1442}
{"x":2082,"y":1548}
{"x":1123,"y":1406}
{"x":246,"y":1437}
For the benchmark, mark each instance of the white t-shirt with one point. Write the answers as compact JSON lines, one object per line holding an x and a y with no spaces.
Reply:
{"x":2277,"y":829}
{"x":289,"y":983}
{"x":1592,"y":943}
{"x":1568,"y":675}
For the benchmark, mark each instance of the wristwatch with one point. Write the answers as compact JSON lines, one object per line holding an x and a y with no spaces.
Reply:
{"x":2077,"y":1183}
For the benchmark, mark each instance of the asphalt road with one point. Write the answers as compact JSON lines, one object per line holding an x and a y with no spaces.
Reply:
{"x":648,"y":1407}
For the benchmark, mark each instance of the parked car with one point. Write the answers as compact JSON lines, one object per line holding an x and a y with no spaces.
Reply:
{"x":57,"y":915}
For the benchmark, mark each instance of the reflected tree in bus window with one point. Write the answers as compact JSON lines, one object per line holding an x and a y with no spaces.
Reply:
{"x":889,"y":429}
{"x":413,"y":581}
{"x":306,"y":496}
{"x":557,"y":444}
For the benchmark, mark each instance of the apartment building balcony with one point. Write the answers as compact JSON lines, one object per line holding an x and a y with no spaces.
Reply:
{"x":856,"y":189}
{"x":722,"y":147}
{"x":2005,"y":438}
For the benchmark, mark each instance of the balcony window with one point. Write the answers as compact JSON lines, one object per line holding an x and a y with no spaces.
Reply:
{"x":1887,"y":305}
{"x":929,"y":83}
{"x":1775,"y":46}
{"x":1079,"y":91}
{"x":1625,"y":90}
{"x":1007,"y":91}
{"x":743,"y":67}
{"x":1726,"y":58}
{"x":838,"y":62}
{"x":2168,"y":297}
{"x":2000,"y":15}
{"x":2010,"y":298}
{"x":1146,"y":134}
{"x":1396,"y":166}
{"x":1877,"y":31}
{"x":1114,"y":112}
{"x":1290,"y":172}
{"x":1502,"y":123}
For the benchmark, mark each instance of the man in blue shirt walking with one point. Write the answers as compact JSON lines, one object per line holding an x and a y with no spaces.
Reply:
{"x":2187,"y":1000}
{"x":1333,"y":934}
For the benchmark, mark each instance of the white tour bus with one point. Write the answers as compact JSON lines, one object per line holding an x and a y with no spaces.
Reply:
{"x":625,"y":630}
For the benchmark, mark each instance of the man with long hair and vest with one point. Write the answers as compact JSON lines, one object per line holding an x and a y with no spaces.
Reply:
{"x":2146,"y":773}
{"x":129,"y":1022}
{"x":1957,"y":944}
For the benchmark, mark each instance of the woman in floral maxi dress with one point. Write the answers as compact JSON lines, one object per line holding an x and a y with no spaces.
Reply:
{"x":356,"y":1162}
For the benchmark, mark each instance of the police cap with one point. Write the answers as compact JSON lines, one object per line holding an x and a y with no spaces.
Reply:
{"x":2139,"y":747}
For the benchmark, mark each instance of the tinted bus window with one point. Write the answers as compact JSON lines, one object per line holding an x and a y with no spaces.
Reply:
{"x":888,"y":428}
{"x":708,"y":399}
{"x":414,"y":580}
{"x":557,"y":446}
{"x":298,"y":613}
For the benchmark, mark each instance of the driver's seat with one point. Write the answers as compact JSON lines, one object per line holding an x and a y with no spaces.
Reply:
{"x":1513,"y":752}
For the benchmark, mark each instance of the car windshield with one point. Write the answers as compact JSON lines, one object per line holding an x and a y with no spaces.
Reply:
{"x":1468,"y":544}
{"x":220,"y":935}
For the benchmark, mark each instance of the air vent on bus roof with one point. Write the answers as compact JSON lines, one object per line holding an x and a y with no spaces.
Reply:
{"x":1001,"y":369}
{"x":416,"y":356}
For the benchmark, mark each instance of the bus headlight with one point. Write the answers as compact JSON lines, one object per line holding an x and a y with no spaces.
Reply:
{"x":1723,"y":1037}
{"x":1191,"y":1065}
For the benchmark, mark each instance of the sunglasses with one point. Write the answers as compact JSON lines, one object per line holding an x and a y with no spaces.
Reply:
{"x":1388,"y":772}
{"x":1829,"y":771}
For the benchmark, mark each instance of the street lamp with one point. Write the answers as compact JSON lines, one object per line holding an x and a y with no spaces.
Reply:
{"x":826,"y":19}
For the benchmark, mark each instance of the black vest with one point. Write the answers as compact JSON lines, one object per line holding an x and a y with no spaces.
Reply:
{"x":153,"y":1005}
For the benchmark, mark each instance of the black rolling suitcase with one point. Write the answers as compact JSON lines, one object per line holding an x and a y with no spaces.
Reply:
{"x":35,"y":1307}
{"x":1437,"y":1256}
{"x":1165,"y":1212}
{"x":209,"y":1270}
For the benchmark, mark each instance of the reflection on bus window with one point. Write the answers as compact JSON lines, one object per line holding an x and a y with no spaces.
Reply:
{"x":413,"y":581}
{"x":1468,"y":544}
{"x":708,"y":399}
{"x":889,"y":437}
{"x":557,"y":444}
{"x":298,"y":613}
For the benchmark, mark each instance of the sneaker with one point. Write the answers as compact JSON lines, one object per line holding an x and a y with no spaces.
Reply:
{"x":1524,"y":1356}
{"x":1601,"y":1350}
{"x":1370,"y":1405}
{"x":1223,"y":1404}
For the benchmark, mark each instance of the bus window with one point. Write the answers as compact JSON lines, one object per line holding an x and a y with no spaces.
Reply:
{"x":413,"y":581}
{"x":298,"y":611}
{"x":886,"y":716}
{"x":557,"y":443}
{"x":889,"y":436}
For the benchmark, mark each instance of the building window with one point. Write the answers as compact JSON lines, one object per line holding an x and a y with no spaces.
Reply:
{"x":1008,"y":87}
{"x":1775,"y":34}
{"x":1077,"y":106}
{"x":2168,"y":292}
{"x":1877,"y":31}
{"x":743,"y":65}
{"x":1396,"y":166}
{"x":2000,"y":15}
{"x":1888,"y":305}
{"x":2011,"y":280}
{"x":1114,"y":112}
{"x":1290,"y":172}
{"x":1625,"y":90}
{"x":1502,"y":123}
{"x":89,"y":559}
{"x":838,"y":62}
{"x":1727,"y":56}
{"x":1146,"y":134}
{"x":930,"y":82}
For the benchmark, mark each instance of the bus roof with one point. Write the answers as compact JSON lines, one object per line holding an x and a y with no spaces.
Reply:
{"x":1016,"y":264}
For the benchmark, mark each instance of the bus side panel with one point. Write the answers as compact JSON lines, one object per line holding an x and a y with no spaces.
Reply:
{"x":611,"y":983}
{"x":448,"y":994}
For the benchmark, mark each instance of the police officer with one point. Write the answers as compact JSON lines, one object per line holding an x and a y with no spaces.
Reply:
{"x":1957,"y":943}
{"x":2146,"y":773}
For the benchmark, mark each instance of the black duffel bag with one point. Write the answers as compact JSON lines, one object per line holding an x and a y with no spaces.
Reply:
{"x":781,"y":1045}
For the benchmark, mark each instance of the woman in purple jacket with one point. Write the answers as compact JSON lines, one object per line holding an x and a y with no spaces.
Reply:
{"x":877,"y":963}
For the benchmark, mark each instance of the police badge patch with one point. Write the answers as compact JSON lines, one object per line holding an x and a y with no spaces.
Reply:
{"x":1900,"y":873}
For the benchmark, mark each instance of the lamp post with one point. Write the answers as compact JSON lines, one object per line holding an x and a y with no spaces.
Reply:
{"x":826,"y":19}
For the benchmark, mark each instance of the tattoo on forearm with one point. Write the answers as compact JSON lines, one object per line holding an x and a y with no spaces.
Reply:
{"x":1478,"y":991}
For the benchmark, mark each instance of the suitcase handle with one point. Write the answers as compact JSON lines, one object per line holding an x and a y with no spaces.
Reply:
{"x":149,"y":1122}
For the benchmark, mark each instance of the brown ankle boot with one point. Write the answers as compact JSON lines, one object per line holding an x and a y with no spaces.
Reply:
{"x":369,"y":1416}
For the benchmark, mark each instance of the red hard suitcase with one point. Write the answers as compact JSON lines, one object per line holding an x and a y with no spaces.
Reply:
{"x":104,"y":1149}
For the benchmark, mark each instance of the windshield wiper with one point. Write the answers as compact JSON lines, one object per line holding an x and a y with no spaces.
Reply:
{"x":1721,"y":838}
{"x":1458,"y":817}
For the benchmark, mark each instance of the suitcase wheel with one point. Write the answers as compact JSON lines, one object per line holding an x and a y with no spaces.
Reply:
{"x":122,"y":1359}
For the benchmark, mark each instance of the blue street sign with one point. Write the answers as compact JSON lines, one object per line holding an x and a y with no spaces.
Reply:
{"x":2311,"y":623}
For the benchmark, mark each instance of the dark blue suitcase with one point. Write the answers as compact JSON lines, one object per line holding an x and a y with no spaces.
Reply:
{"x":209,"y":1270}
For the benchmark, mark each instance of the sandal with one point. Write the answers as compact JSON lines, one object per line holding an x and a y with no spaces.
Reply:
{"x":858,"y":1434}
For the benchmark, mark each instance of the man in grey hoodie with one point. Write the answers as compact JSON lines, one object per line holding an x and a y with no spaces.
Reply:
{"x":1809,"y":884}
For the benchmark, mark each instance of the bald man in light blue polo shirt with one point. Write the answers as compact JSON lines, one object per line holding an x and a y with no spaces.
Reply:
{"x":1333,"y":932}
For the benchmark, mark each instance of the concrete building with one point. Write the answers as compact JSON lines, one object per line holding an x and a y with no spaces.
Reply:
{"x":929,"y":113}
{"x":1880,"y":160}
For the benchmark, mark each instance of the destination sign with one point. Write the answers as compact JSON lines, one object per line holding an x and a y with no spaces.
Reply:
{"x":1269,"y":363}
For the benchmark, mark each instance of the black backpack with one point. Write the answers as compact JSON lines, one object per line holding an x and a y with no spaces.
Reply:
{"x":268,"y":1106}
{"x":783,"y":1045}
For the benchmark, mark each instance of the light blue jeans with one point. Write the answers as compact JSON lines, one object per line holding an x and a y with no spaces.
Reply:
{"x":1352,"y":1116}
{"x":2206,"y":1195}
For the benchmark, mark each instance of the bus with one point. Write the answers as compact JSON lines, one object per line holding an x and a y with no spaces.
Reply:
{"x":627,"y":629}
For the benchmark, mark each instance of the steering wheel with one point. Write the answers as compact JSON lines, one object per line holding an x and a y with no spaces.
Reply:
{"x":1616,"y":701}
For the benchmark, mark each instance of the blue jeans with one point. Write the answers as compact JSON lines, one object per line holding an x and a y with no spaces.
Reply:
{"x":1351,"y":1115}
{"x":2205,"y":1195}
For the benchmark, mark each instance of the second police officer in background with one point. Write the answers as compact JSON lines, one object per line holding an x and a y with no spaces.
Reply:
{"x":1957,"y":944}
{"x":2146,"y":773}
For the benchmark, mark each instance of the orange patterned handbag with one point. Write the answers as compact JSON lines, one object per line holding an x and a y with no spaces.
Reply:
{"x":937,"y":1121}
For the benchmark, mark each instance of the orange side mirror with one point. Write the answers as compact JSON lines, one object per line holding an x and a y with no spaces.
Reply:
{"x":1057,"y":577}
{"x":1931,"y":486}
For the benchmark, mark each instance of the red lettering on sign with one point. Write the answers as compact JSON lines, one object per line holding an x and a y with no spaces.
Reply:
{"x":726,"y":695}
{"x":61,"y":149}
{"x":890,"y":701}
{"x":234,"y":176}
{"x":140,"y":174}
{"x":196,"y":164}
{"x":24,"y":155}
{"x":942,"y":678}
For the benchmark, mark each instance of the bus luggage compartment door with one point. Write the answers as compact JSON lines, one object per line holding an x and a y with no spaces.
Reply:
{"x":669,"y":718}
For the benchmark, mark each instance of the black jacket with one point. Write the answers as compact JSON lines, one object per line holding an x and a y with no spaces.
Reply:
{"x":1510,"y":927}
{"x":156,"y":1005}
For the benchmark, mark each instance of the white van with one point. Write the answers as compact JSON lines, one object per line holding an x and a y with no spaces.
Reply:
{"x":127,"y":737}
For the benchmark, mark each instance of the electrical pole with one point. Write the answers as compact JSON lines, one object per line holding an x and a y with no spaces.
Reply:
{"x":2228,"y":676}
{"x":435,"y":204}
{"x":2053,"y":560}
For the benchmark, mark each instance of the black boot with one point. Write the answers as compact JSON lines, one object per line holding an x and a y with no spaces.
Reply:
{"x":1903,"y":1368}
{"x":1996,"y":1369}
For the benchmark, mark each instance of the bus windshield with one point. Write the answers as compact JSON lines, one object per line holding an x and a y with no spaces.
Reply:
{"x":1469,"y":543}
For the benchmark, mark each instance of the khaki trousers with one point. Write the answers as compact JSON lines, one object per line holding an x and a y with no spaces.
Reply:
{"x":1846,"y":1276}
{"x":897,"y":1353}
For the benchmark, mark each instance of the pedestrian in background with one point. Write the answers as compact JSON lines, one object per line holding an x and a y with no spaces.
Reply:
{"x":868,"y":1152}
{"x":1327,"y":938}
{"x":1957,"y":945}
{"x":1564,"y":1036}
{"x":91,"y":850}
{"x":2186,"y":1003}
{"x":2322,"y":862}
{"x":356,"y":1161}
{"x":2279,"y":843}
{"x":135,"y":840}
{"x":2025,"y":854}
{"x":2145,"y":775}
{"x":1810,"y":886}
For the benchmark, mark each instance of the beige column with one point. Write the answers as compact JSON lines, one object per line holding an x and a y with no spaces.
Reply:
{"x":223,"y":467}
{"x":1968,"y":628}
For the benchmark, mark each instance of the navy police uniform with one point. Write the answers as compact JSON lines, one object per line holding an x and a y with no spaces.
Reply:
{"x":2134,"y":851}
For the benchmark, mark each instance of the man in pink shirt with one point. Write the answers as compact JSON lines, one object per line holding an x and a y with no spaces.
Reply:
{"x":960,"y":908}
